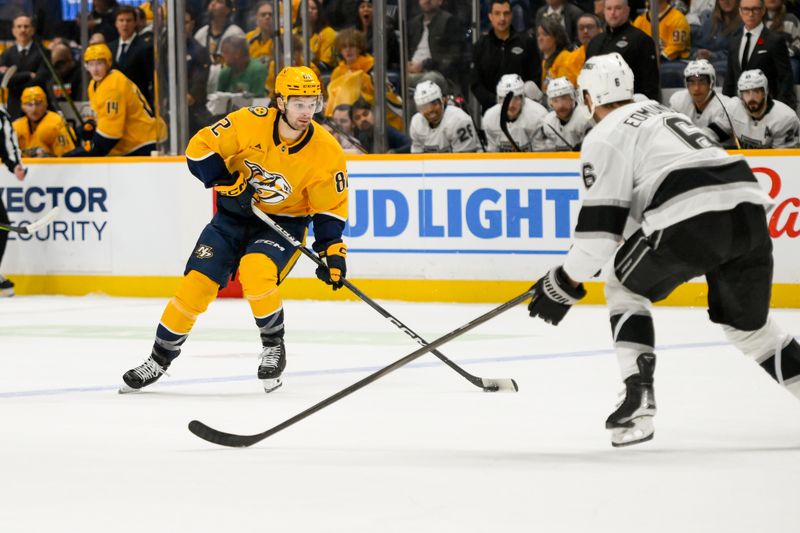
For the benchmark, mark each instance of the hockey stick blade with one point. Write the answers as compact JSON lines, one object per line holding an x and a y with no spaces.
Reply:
{"x":488,"y":385}
{"x":242,"y":441}
{"x":504,"y":120}
{"x":35,"y":225}
{"x":9,"y":73}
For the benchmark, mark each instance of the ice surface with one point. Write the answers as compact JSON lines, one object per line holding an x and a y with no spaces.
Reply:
{"x":420,"y":450}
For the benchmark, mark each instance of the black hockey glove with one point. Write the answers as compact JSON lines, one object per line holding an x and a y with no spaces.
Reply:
{"x":239,"y":205}
{"x":553,"y":296}
{"x":334,"y":256}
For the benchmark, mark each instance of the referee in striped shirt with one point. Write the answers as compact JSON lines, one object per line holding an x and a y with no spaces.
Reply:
{"x":11,"y":157}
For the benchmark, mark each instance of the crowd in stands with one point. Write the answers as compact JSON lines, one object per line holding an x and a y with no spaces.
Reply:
{"x":513,"y":88}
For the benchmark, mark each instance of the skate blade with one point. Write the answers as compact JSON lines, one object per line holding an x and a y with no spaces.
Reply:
{"x":641,"y":430}
{"x":271,"y":384}
{"x":125,"y":389}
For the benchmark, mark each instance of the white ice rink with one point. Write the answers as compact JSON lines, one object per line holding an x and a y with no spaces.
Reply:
{"x":421,"y":450}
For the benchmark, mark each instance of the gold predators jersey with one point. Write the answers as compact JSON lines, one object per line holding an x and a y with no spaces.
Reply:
{"x":304,"y":177}
{"x":259,"y":50}
{"x":673,"y":30}
{"x":52,"y":135}
{"x":123,"y":113}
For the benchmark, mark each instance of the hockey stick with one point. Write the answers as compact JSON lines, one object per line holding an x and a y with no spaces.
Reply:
{"x":73,"y":135}
{"x":733,"y":131}
{"x":488,"y":385}
{"x":33,"y":226}
{"x":9,"y":73}
{"x":504,"y":120}
{"x":335,"y":127}
{"x":241,"y":441}
{"x":571,"y":148}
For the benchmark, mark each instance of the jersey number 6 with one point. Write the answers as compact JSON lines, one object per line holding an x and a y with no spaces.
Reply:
{"x":689,"y":133}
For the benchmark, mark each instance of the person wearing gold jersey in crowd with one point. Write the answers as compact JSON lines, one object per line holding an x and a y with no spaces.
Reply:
{"x":126,"y":125}
{"x":259,"y":40}
{"x":281,"y":162}
{"x":42,"y":133}
{"x":552,"y":40}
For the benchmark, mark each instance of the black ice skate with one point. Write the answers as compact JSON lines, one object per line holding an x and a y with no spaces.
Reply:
{"x":6,"y":287}
{"x":632,"y":422}
{"x":145,"y":374}
{"x":272,"y":361}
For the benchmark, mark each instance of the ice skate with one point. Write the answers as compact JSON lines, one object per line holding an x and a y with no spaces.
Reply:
{"x":6,"y":287}
{"x":632,"y":422}
{"x":272,"y":361}
{"x":145,"y":374}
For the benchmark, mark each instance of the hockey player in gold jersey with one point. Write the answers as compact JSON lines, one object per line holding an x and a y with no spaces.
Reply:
{"x":289,"y":167}
{"x":126,"y":125}
{"x":41,"y":132}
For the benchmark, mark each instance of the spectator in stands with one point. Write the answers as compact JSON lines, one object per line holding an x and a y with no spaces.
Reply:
{"x":42,"y":133}
{"x":697,"y":8}
{"x":241,"y":74}
{"x":563,"y":12}
{"x":197,"y":69}
{"x":341,"y":127}
{"x":363,"y":119}
{"x":97,"y":38}
{"x":342,"y":14}
{"x":635,"y":46}
{"x":260,"y":39}
{"x":589,"y":25}
{"x":787,"y":25}
{"x":68,"y":70}
{"x":26,"y":55}
{"x":352,"y":78}
{"x":364,"y":24}
{"x":711,"y":39}
{"x":439,"y":127}
{"x":321,"y":38}
{"x":759,"y":48}
{"x":699,"y":100}
{"x":101,"y":19}
{"x":501,"y":51}
{"x":126,"y":125}
{"x":553,"y":43}
{"x":297,"y":60}
{"x":435,"y":40}
{"x":219,"y":27}
{"x":674,"y":41}
{"x":133,"y":56}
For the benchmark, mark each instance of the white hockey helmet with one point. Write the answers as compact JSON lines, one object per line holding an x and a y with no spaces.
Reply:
{"x":700,"y":67}
{"x":607,"y":78}
{"x":752,"y":79}
{"x":560,"y":87}
{"x":510,"y":83}
{"x":426,"y":92}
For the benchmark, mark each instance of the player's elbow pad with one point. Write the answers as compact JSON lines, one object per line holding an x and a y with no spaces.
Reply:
{"x":211,"y":171}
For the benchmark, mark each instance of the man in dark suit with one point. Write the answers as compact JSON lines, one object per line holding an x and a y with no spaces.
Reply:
{"x":26,"y":55}
{"x":435,"y":39}
{"x":758,"y":48}
{"x":132,"y":55}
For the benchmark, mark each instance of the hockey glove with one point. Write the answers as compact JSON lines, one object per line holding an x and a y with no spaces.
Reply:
{"x":238,"y":205}
{"x":334,"y":256}
{"x":553,"y":296}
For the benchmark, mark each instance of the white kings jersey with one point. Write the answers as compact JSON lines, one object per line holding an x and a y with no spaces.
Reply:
{"x":710,"y":117}
{"x":522,"y":130}
{"x":455,"y":133}
{"x":647,"y":166}
{"x":778,"y":128}
{"x":556,"y":136}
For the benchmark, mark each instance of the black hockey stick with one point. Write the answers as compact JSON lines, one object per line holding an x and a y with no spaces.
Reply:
{"x":33,"y":226}
{"x":733,"y":131}
{"x":241,"y":441}
{"x":571,"y":148}
{"x":335,"y":127}
{"x":488,"y":385}
{"x":504,"y":120}
{"x":73,"y":135}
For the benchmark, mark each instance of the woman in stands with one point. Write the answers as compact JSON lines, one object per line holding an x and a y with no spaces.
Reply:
{"x":552,"y":40}
{"x":717,"y":27}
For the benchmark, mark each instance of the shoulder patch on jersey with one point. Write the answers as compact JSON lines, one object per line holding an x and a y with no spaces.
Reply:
{"x":271,"y":188}
{"x":588,"y":174}
{"x":258,"y":110}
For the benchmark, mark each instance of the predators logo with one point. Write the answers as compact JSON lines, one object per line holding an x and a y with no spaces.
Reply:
{"x":270,"y":188}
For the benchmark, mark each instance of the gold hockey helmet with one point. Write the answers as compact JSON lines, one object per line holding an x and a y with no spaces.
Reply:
{"x":97,"y":51}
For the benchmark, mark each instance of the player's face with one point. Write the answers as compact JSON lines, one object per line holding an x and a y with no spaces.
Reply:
{"x":755,"y":100}
{"x":500,"y":17}
{"x":433,"y":112}
{"x":299,"y":110}
{"x":34,"y":110}
{"x":98,"y":69}
{"x":515,"y":107}
{"x":563,"y":106}
{"x":699,"y":88}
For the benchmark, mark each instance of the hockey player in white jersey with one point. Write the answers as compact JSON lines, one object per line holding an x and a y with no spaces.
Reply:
{"x":568,"y":122}
{"x":758,"y":121}
{"x":669,"y":205}
{"x":524,"y":117}
{"x":700,"y":101}
{"x":438,"y":127}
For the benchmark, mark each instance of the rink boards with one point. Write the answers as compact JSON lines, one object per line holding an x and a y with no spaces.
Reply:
{"x":474,"y":227}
